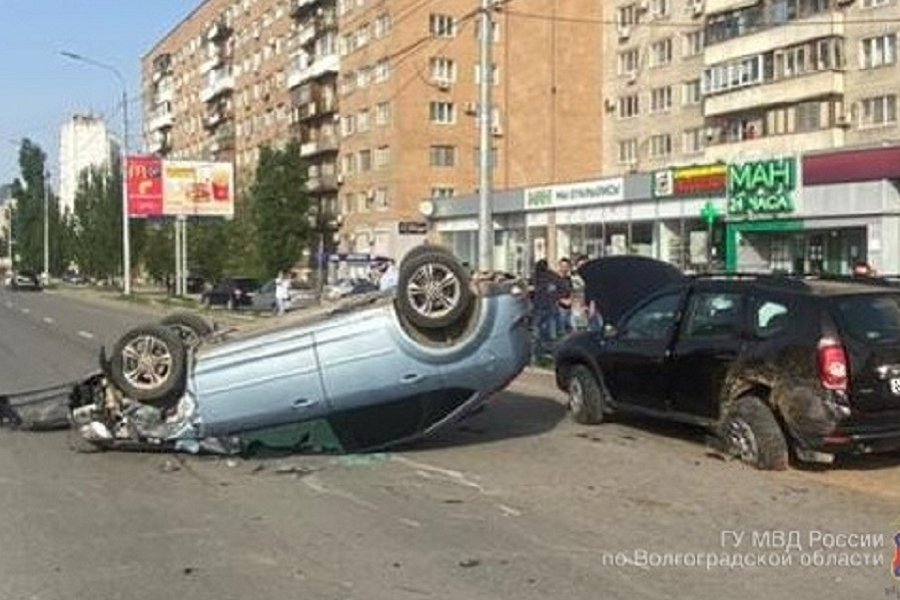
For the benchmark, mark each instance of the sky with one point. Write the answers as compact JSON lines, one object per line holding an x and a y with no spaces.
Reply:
{"x":40,"y":89}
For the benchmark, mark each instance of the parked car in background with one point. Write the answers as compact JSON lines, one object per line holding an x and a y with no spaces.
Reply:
{"x":773,"y":364}
{"x":232,"y":293}
{"x":348,"y":287}
{"x":301,"y":297}
{"x":73,"y":278}
{"x":26,"y":280}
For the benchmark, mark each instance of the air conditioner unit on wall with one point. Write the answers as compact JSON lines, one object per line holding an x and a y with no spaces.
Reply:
{"x":632,"y":77}
{"x":844,"y":120}
{"x":470,"y":108}
{"x":497,"y":129}
{"x":624,"y":32}
{"x":697,"y":7}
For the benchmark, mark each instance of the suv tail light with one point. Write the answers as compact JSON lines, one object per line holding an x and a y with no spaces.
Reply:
{"x":833,"y":365}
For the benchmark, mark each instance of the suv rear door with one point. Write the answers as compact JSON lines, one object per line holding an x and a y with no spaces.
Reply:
{"x":711,"y":338}
{"x":869,"y":326}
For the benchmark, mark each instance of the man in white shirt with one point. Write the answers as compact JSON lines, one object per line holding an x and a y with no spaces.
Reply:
{"x":389,"y":278}
{"x":282,"y":292}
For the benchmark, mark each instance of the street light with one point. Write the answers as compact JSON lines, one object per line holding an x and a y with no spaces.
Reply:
{"x":126,"y":244}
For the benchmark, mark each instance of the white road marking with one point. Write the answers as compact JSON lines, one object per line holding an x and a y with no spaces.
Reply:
{"x":509,"y":511}
{"x":25,"y":311}
{"x":430,"y":471}
{"x":86,"y":335}
{"x":48,"y":320}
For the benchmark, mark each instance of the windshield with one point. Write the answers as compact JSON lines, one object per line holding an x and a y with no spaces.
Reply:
{"x":870,"y":318}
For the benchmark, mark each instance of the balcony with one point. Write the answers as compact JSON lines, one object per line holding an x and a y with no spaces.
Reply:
{"x":165,"y":92}
{"x":306,"y":34}
{"x":216,"y":85}
{"x":322,"y":145}
{"x":322,"y":183}
{"x":210,"y":64}
{"x":160,"y":119}
{"x":775,"y":145}
{"x":717,"y":6}
{"x":769,"y":35}
{"x":784,"y":91}
{"x":218,"y":31}
{"x":298,"y":73}
{"x":158,"y":144}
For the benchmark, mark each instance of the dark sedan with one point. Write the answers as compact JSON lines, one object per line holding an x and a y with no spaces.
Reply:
{"x":26,"y":280}
{"x":232,"y":293}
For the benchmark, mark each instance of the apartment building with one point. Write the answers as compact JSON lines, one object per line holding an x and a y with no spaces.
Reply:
{"x":84,"y":142}
{"x":408,"y":91}
{"x":215,"y":87}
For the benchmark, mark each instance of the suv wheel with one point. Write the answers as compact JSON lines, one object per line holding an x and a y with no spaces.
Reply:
{"x":587,"y":398}
{"x":751,"y":433}
{"x":191,"y":328}
{"x":433,"y":290}
{"x":148,"y":365}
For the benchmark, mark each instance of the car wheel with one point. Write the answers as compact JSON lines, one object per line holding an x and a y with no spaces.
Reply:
{"x":587,"y":398}
{"x":426,"y":248}
{"x":433,"y":290}
{"x":148,"y":365}
{"x":191,"y":328}
{"x":751,"y":433}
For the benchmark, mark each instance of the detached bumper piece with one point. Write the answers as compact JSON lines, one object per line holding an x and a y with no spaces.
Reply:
{"x":41,"y":410}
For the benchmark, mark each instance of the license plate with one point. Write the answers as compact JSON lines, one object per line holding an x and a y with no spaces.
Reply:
{"x":895,"y":386}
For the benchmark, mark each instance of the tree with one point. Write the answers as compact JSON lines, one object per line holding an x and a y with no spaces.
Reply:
{"x":279,"y":204}
{"x":28,"y":218}
{"x":98,"y":222}
{"x":159,"y":251}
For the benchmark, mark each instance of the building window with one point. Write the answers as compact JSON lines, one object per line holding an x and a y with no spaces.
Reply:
{"x":442,"y":192}
{"x":443,"y":156}
{"x":443,"y":113}
{"x":442,"y":26}
{"x":629,"y":106}
{"x":875,"y":3}
{"x":349,"y":166}
{"x":383,"y":113}
{"x":364,"y":160}
{"x":694,"y":140}
{"x":492,"y":158}
{"x":382,"y":70}
{"x":626,"y":15}
{"x":733,"y":74}
{"x":628,"y":150}
{"x":348,"y":125}
{"x":363,"y":77}
{"x":629,"y":61}
{"x":878,"y":51}
{"x":382,"y":25}
{"x":381,"y":198}
{"x":661,"y":99}
{"x":660,"y":8}
{"x":693,"y":43}
{"x":362,"y":121}
{"x":660,"y":145}
{"x":382,"y":157}
{"x":661,"y":52}
{"x":808,"y":116}
{"x":691,"y":92}
{"x":443,"y":70}
{"x":878,"y":110}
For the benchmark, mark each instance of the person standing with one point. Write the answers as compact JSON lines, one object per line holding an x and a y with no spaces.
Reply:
{"x":564,"y":298}
{"x":579,"y":307}
{"x":282,"y":292}
{"x":546,"y":289}
{"x":591,"y":302}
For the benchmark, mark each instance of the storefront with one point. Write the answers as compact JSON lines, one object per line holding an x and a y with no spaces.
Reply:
{"x":795,"y":216}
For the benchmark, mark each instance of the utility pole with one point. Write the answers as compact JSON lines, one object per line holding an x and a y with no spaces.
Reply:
{"x":485,"y":218}
{"x":46,"y":276}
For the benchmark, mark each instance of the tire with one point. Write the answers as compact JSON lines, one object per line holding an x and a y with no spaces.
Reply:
{"x":426,"y":248}
{"x":587,"y":399}
{"x":751,"y":433}
{"x":433,"y":290}
{"x":191,"y":328}
{"x":148,"y":364}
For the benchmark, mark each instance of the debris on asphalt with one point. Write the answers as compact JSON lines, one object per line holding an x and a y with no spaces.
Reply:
{"x":258,"y":468}
{"x":231,"y":463}
{"x":469,"y":563}
{"x":364,"y":460}
{"x":188,"y":570}
{"x":453,"y":501}
{"x":170,"y":466}
{"x":296,"y":470}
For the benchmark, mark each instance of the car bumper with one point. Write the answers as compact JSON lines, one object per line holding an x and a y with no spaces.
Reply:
{"x":861,"y":440}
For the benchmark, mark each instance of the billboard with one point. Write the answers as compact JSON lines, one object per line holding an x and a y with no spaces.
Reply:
{"x":169,"y":188}
{"x":695,"y":181}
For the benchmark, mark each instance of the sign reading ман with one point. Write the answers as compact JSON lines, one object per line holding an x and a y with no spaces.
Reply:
{"x":763,"y":187}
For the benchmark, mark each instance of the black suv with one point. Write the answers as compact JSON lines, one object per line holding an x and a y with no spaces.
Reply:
{"x":26,"y":280}
{"x":770,"y":363}
{"x":232,"y":293}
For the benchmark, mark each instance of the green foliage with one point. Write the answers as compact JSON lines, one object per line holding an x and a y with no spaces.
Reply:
{"x":98,"y":222}
{"x":28,"y":218}
{"x":159,"y":251}
{"x":279,"y":204}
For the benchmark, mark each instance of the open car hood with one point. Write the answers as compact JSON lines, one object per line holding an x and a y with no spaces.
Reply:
{"x":618,"y":283}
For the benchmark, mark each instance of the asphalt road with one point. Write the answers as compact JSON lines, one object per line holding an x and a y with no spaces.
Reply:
{"x":517,"y":502}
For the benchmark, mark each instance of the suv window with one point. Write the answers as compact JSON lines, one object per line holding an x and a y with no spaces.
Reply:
{"x":872,"y":318}
{"x":654,"y":321}
{"x":712,"y":314}
{"x":769,"y":318}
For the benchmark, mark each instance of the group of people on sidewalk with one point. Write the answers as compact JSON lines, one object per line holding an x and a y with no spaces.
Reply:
{"x":560,"y":305}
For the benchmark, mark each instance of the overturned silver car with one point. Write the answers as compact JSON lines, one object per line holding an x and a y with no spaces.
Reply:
{"x":385,"y":369}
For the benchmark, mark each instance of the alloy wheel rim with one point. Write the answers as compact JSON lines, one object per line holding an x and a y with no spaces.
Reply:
{"x":743,"y":441}
{"x":187,"y":335}
{"x":576,"y":395}
{"x":147,"y":362}
{"x":434,"y":291}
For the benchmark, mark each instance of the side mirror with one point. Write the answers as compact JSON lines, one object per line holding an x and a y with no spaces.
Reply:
{"x":610,"y":331}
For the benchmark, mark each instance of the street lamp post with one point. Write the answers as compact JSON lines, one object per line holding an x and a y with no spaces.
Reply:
{"x":126,"y":243}
{"x":46,"y":276}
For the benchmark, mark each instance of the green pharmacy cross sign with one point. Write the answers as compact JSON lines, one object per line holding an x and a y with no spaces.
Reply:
{"x":762,"y":188}
{"x":709,"y":214}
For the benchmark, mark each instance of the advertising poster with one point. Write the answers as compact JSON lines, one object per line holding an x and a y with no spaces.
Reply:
{"x":198,"y":189}
{"x":145,"y":186}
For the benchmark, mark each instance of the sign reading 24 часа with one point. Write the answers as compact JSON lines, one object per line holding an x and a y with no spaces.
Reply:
{"x":764,"y":187}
